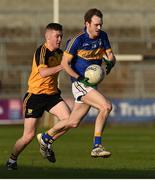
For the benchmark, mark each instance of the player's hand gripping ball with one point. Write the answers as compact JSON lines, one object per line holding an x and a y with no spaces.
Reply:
{"x":95,"y":74}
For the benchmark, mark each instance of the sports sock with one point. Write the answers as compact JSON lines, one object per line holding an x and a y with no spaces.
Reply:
{"x":12,"y":158}
{"x":47,"y":138}
{"x":12,"y":161}
{"x":97,"y":141}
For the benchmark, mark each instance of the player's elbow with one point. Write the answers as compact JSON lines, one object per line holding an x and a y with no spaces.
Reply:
{"x":66,"y":61}
{"x":42,"y":75}
{"x":63,"y":63}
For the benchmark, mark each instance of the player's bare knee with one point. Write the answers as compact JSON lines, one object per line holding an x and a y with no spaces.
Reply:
{"x":109,"y":107}
{"x":106,"y":108}
{"x":73,"y":125}
{"x":28,"y":138}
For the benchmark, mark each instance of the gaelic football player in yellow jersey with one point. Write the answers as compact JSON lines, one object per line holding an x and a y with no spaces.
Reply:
{"x":43,"y":94}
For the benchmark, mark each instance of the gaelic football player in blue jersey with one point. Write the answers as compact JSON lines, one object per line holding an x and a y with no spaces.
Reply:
{"x":85,"y":49}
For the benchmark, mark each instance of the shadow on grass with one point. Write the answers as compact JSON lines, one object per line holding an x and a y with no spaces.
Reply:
{"x":25,"y":172}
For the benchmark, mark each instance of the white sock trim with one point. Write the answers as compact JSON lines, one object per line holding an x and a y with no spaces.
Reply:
{"x":12,"y":160}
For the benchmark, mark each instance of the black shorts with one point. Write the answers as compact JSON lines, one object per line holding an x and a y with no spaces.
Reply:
{"x":34,"y":105}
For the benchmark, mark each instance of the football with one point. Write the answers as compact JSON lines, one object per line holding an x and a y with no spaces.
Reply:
{"x":95,"y":73}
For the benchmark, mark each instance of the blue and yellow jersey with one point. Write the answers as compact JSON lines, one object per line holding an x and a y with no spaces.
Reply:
{"x":87,"y":51}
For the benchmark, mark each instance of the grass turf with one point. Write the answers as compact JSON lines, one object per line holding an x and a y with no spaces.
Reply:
{"x":132,"y":154}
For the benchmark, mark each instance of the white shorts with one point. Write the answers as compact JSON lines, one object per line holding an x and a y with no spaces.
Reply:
{"x":79,"y":90}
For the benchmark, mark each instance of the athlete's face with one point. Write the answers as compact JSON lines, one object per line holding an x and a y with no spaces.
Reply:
{"x":94,"y":27}
{"x":53,"y":39}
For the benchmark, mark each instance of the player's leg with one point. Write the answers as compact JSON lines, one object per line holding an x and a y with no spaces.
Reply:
{"x":21,"y":143}
{"x":33,"y":109}
{"x":56,"y":106}
{"x":62,"y":126}
{"x":78,"y":112}
{"x":97,"y":100}
{"x":62,"y":112}
{"x":80,"y":109}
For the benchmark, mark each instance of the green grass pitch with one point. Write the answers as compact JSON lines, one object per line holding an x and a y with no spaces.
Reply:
{"x":133,"y":154}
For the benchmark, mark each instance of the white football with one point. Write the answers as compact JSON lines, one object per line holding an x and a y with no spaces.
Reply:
{"x":95,"y":73}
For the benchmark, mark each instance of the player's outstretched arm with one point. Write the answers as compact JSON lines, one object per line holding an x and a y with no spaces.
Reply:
{"x":66,"y":60}
{"x":48,"y":71}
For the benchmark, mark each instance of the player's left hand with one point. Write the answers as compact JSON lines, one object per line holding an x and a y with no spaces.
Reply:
{"x":109,"y":65}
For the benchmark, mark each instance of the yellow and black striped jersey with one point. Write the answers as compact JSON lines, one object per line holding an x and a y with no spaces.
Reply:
{"x":43,"y":57}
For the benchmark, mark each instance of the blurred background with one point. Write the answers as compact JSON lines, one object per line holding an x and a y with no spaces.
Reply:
{"x":131,"y":29}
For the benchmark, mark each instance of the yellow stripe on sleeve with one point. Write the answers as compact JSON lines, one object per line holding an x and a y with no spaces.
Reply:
{"x":68,"y":54}
{"x":72,"y":41}
{"x":42,"y":55}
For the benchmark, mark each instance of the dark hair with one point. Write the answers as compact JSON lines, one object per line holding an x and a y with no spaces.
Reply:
{"x":92,"y":12}
{"x":54,"y":26}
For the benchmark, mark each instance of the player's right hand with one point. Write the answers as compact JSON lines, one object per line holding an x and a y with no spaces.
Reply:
{"x":84,"y":80}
